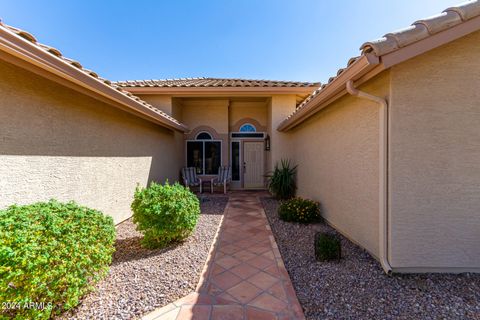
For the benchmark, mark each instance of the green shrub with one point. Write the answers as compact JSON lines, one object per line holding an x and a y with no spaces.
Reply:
{"x":299,"y":210}
{"x":327,"y":247}
{"x":51,"y":253}
{"x":281,"y":182}
{"x":165,"y":214}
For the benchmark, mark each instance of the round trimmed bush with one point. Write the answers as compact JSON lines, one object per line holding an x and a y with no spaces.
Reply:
{"x":51,"y":254}
{"x":299,"y":210}
{"x":165,"y":213}
{"x":327,"y":246}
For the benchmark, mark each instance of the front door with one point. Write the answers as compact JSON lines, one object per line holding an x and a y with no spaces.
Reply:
{"x":253,"y":165}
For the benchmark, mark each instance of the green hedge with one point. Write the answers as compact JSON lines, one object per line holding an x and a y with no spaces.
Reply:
{"x":299,"y":210}
{"x":51,"y":253}
{"x":327,"y":246}
{"x":165,"y":213}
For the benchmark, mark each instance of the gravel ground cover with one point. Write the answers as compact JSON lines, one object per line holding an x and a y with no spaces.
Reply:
{"x":357,"y":288}
{"x":142,"y":280}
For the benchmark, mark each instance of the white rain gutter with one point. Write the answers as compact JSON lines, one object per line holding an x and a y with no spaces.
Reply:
{"x":383,"y":171}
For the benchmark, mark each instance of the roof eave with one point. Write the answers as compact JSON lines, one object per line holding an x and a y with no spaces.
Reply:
{"x":23,"y":50}
{"x":361,"y":71}
{"x":332,"y":91}
{"x":431,"y":42}
{"x":219,"y":90}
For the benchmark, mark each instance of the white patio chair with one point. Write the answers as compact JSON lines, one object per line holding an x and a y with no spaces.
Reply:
{"x":224,"y":177}
{"x":190,"y":178}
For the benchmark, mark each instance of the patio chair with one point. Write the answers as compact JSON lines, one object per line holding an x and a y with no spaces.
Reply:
{"x":190,"y":178}
{"x":224,"y":177}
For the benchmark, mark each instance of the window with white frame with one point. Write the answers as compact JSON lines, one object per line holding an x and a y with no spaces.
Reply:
{"x":204,"y":154}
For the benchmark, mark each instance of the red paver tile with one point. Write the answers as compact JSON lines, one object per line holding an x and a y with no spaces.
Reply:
{"x":256,"y":314}
{"x":225,"y":298}
{"x":269,"y":254}
{"x":189,"y":312}
{"x":246,"y":278}
{"x":260,"y":249}
{"x":216,"y":269}
{"x":244,"y":255}
{"x":263,"y":280}
{"x":273,"y":270}
{"x":229,"y":248}
{"x":244,"y":270}
{"x":278,"y":291}
{"x":244,"y":292}
{"x":227,"y":262}
{"x":227,"y":312}
{"x":260,"y":262}
{"x":268,"y":302}
{"x":226,"y":280}
{"x":245,"y":244}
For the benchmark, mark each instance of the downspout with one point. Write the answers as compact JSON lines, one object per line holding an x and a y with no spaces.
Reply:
{"x":383,"y":171}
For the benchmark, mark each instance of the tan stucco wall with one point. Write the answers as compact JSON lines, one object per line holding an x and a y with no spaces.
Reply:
{"x":240,"y":110}
{"x":57,"y":143}
{"x":207,"y":114}
{"x":162,"y":102}
{"x":435,"y":158}
{"x":278,"y":109}
{"x":212,"y":113}
{"x":337,"y":156}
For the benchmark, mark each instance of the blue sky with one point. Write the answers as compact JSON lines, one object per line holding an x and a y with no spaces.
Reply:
{"x":305,"y":40}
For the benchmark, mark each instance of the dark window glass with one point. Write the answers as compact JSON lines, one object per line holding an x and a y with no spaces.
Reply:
{"x":247,"y":135}
{"x":195,"y":155}
{"x":235,"y":160}
{"x":212,"y":156}
{"x":204,"y":136}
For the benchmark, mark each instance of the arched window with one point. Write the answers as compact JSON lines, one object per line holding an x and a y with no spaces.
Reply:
{"x":204,"y":153}
{"x":204,"y":136}
{"x":248,"y":127}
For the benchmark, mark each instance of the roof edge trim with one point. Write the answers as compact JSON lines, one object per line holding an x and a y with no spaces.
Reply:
{"x":32,"y":53}
{"x":222,"y":90}
{"x":334,"y":89}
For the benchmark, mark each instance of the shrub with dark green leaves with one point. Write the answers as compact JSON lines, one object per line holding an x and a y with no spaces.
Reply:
{"x":165,"y":213}
{"x":51,"y":254}
{"x":327,"y":246}
{"x":299,"y":210}
{"x":281,"y":182}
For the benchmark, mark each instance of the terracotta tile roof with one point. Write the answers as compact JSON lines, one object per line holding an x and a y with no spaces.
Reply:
{"x":393,"y":41}
{"x":55,"y":52}
{"x":422,"y":29}
{"x":214,"y":83}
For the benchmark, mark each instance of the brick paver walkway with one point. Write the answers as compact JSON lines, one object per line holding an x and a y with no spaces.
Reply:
{"x":245,"y":277}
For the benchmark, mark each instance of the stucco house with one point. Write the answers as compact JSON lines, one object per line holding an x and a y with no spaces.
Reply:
{"x":390,"y":145}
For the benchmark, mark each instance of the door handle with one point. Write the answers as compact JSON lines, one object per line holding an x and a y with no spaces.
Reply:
{"x":244,"y":167}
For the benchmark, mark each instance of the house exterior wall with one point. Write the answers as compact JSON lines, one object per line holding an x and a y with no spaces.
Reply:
{"x":434,"y":159}
{"x":57,"y":143}
{"x":243,"y":111}
{"x":337,"y":153}
{"x":205,"y":115}
{"x":162,"y":102}
{"x":279,"y":108}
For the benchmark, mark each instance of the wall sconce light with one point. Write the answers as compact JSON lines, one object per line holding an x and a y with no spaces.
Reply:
{"x":267,"y":143}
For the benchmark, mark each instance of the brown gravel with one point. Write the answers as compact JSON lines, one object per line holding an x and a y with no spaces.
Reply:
{"x":142,"y":280}
{"x":357,"y":288}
